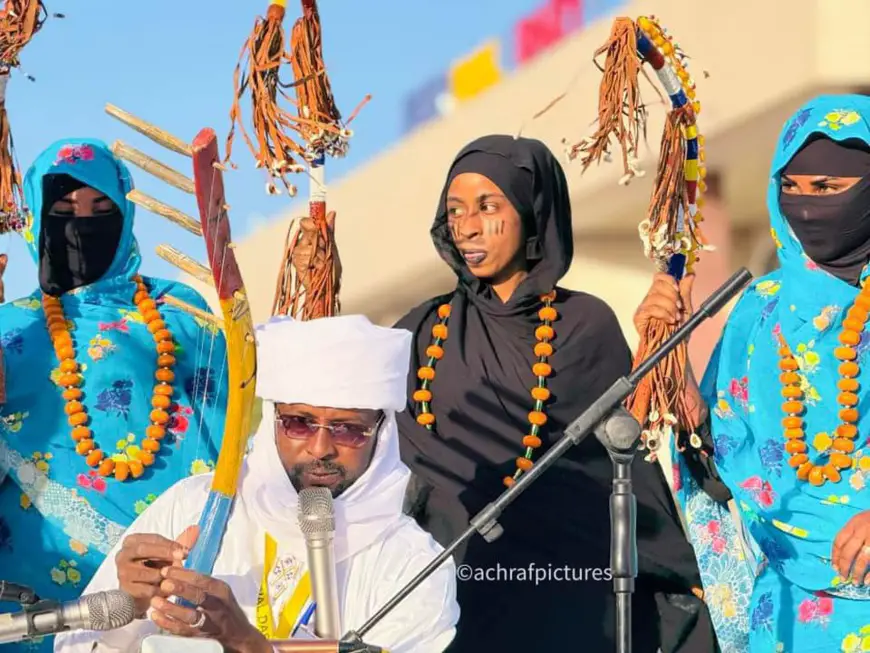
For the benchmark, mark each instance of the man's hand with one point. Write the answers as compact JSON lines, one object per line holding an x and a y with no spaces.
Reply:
{"x":217,"y":614}
{"x":141,"y":559}
{"x":666,"y":300}
{"x":3,"y":261}
{"x":308,"y":259}
{"x":851,"y":552}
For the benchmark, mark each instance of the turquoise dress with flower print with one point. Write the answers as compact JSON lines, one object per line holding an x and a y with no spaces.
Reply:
{"x":58,"y":517}
{"x":799,"y":603}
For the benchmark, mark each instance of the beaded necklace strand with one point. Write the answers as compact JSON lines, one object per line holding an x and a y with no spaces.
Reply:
{"x":842,"y":445}
{"x":544,"y":334}
{"x":71,"y":379}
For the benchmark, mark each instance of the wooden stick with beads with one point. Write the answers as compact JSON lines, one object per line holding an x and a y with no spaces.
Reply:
{"x":670,"y":233}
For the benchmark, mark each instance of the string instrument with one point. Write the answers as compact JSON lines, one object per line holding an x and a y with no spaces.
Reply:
{"x":223,"y":274}
{"x":670,"y":233}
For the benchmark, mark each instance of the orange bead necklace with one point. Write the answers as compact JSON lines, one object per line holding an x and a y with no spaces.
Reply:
{"x":71,"y":380}
{"x":544,"y":334}
{"x":839,"y":447}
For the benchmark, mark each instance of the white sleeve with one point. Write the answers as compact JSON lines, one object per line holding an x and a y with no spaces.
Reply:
{"x":160,"y":519}
{"x":425,"y":622}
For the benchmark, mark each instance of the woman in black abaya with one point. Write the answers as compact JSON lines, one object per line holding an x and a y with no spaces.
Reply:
{"x":504,"y":227}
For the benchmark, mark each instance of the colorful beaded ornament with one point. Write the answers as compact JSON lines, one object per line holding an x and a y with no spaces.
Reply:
{"x":838,"y":448}
{"x":544,"y":334}
{"x":71,"y":379}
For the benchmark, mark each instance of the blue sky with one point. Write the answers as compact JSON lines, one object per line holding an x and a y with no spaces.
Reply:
{"x":171,"y":62}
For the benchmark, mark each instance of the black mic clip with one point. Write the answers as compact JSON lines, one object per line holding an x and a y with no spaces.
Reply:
{"x":15,"y":593}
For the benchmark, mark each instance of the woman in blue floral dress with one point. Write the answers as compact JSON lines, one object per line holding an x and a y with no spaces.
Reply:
{"x":112,"y":395}
{"x":785,"y":387}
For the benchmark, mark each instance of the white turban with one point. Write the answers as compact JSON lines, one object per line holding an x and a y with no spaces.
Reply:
{"x":333,"y":362}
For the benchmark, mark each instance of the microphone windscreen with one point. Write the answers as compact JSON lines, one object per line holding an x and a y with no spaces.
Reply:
{"x":109,"y":610}
{"x":316,"y":511}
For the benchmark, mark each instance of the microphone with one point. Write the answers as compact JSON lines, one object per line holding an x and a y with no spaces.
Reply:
{"x":100,"y":611}
{"x":317,"y":522}
{"x":15,"y":593}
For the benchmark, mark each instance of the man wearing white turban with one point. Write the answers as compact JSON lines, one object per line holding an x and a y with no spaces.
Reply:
{"x":330,"y":390}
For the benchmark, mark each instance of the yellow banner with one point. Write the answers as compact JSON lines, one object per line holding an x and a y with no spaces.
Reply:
{"x":477,"y":72}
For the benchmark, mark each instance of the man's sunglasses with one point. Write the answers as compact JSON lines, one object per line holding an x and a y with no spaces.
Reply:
{"x":344,"y":434}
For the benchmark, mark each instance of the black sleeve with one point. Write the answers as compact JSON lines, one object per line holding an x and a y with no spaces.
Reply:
{"x":701,"y":465}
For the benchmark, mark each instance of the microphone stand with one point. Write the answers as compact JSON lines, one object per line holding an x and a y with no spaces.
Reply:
{"x":613,"y":425}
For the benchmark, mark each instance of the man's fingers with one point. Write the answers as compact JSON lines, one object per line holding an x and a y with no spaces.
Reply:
{"x":139,"y":573}
{"x":859,"y":569}
{"x":188,"y":537}
{"x":149,"y":547}
{"x":848,"y":554}
{"x":330,"y":221}
{"x":163,"y":618}
{"x":192,"y":593}
{"x":4,"y":260}
{"x":686,"y":285}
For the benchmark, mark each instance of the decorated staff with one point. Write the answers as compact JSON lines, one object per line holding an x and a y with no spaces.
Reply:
{"x":670,"y":234}
{"x":292,"y":140}
{"x":223,"y":274}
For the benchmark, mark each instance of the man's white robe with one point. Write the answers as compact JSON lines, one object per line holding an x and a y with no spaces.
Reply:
{"x":377,"y":548}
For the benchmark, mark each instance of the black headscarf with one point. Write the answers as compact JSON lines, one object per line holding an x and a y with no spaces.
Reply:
{"x":481,"y":400}
{"x":833,"y":229}
{"x":74,"y":251}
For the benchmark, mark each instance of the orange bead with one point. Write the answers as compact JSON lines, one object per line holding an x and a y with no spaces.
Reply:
{"x":434,"y":351}
{"x":792,"y":407}
{"x":425,"y":419}
{"x":69,"y":365}
{"x":831,"y":473}
{"x":845,"y":354}
{"x":849,"y":431}
{"x":146,"y":305}
{"x":56,"y":319}
{"x":798,"y":459}
{"x":73,"y":407}
{"x":840,"y":460}
{"x":136,"y":468}
{"x":547,"y":314}
{"x":163,"y":389}
{"x":155,"y":432}
{"x":543,"y":349}
{"x":540,"y":394}
{"x":140,"y":296}
{"x":849,"y":337}
{"x":848,"y":369}
{"x":537,"y":418}
{"x":426,"y":373}
{"x":844,"y":445}
{"x":788,"y":364}
{"x":444,"y":311}
{"x":156,"y":326}
{"x":122,"y":470}
{"x":853,"y":325}
{"x":544,"y":332}
{"x":863,"y":301}
{"x":165,"y":375}
{"x":106,"y":467}
{"x":532,"y":441}
{"x":159,"y":416}
{"x":816,"y":476}
{"x":80,"y":433}
{"x":803,"y":471}
{"x":440,"y":331}
{"x":422,"y":395}
{"x":524,"y":464}
{"x":146,"y":457}
{"x":848,"y":385}
{"x":65,"y":352}
{"x":165,"y":347}
{"x":84,"y":446}
{"x":60,"y":337}
{"x":796,"y":446}
{"x":161,"y":401}
{"x":150,"y":445}
{"x":847,"y":399}
{"x":163,"y":334}
{"x":784,"y":352}
{"x":792,"y":422}
{"x":508,"y":481}
{"x":849,"y":415}
{"x":858,"y":314}
{"x":791,"y":434}
{"x":165,"y":360}
{"x":69,"y":380}
{"x":151,"y":316}
{"x":94,"y":458}
{"x":77,"y":419}
{"x":542,"y":369}
{"x":792,"y":392}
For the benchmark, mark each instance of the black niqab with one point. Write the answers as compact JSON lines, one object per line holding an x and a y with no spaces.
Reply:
{"x":834,"y":229}
{"x":481,"y":400}
{"x":74,"y":251}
